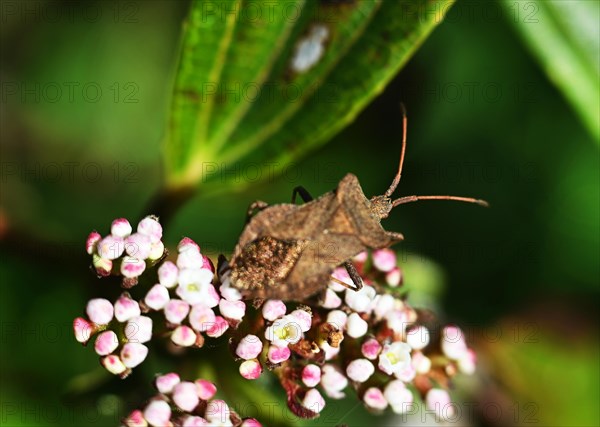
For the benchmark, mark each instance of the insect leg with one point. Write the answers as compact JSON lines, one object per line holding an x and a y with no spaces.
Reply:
{"x":258,"y":205}
{"x":354,"y":275}
{"x":306,"y":197}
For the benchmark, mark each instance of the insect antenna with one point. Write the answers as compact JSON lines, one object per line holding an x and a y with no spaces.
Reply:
{"x":409,"y":199}
{"x":396,"y":180}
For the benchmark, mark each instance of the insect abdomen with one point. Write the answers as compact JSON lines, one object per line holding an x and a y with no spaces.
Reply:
{"x":265,"y":263}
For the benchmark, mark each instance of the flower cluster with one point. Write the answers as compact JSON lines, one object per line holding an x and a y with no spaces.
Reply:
{"x":368,"y":339}
{"x":186,"y":404}
{"x":184,"y":303}
{"x":371,"y":340}
{"x":125,"y":253}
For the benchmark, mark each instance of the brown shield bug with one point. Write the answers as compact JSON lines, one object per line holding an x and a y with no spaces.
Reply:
{"x":288,"y":251}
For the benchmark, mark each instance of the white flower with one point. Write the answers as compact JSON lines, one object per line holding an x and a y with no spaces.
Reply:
{"x":194,"y":285}
{"x":394,"y":358}
{"x":284,"y":331}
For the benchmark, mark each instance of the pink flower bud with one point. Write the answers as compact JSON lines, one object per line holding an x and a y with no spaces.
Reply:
{"x":83,"y":329}
{"x":167,"y":274}
{"x":158,"y":413}
{"x":195,"y":421}
{"x":311,"y":375}
{"x":333,"y":382}
{"x":201,"y":317}
{"x":361,"y":257}
{"x":100,"y":311}
{"x":111,"y":247}
{"x":217,"y":412}
{"x":207,"y":264}
{"x":273,"y":309}
{"x":398,"y":396}
{"x":338,"y":318}
{"x":184,"y":336}
{"x":126,"y":308}
{"x":106,"y":343}
{"x":212,"y":297}
{"x":218,"y":328}
{"x":250,"y":422}
{"x":120,"y":228}
{"x":157,"y":250}
{"x":249,"y":347}
{"x":151,"y":228}
{"x":466,"y":364}
{"x":332,"y":300}
{"x":341,"y":274}
{"x":357,"y":326}
{"x":205,"y":389}
{"x":165,"y":383}
{"x":113,"y":364}
{"x":250,"y":369}
{"x":132,"y":267}
{"x":313,"y":400}
{"x":418,"y":337}
{"x":185,"y":396}
{"x":360,"y":370}
{"x":278,"y":355}
{"x":384,"y":260}
{"x":371,"y":348}
{"x":102,"y":266}
{"x":304,"y":319}
{"x":132,"y":354}
{"x":233,"y":310}
{"x":157,"y":297}
{"x":187,"y":243}
{"x":136,"y":419}
{"x":394,"y":277}
{"x":176,"y":310}
{"x":90,"y":244}
{"x":139,"y":329}
{"x":138,"y":245}
{"x":453,"y":342}
{"x":438,"y":400}
{"x":374,"y":399}
{"x":420,"y":362}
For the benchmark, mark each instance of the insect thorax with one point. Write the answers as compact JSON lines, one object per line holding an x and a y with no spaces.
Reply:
{"x":265,"y":262}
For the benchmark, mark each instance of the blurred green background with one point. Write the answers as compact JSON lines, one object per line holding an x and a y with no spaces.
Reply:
{"x":486,"y":119}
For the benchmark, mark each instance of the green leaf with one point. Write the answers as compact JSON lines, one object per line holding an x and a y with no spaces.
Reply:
{"x":565,"y":37}
{"x":268,"y":90}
